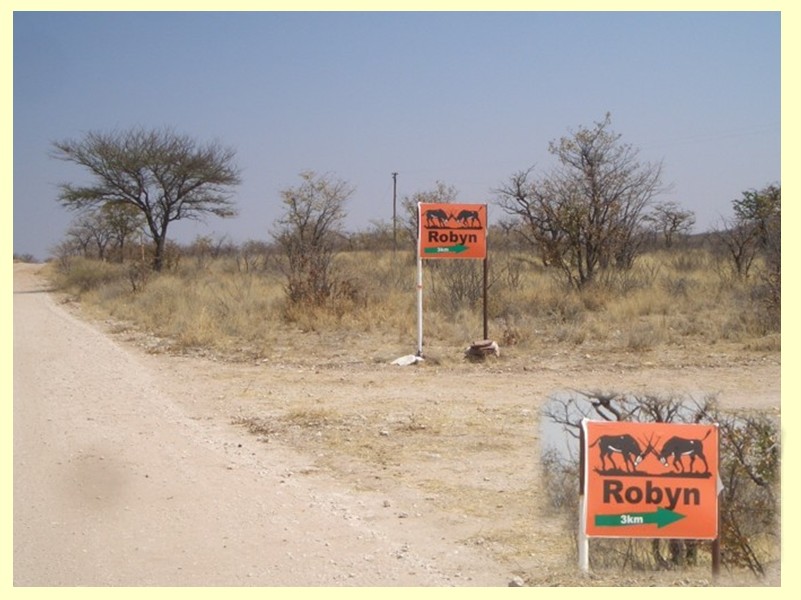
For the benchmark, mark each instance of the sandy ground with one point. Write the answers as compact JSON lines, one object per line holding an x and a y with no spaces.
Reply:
{"x":133,"y":467}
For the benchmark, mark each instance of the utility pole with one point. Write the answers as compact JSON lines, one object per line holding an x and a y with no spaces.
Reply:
{"x":394,"y":213}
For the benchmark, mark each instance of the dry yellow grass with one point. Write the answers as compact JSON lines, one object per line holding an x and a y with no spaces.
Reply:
{"x":668,"y":298}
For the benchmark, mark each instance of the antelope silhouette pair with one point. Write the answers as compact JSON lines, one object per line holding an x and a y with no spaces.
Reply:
{"x":674,"y":450}
{"x":436,"y":217}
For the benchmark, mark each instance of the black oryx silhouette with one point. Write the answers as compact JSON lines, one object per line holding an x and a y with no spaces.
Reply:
{"x":625,"y":445}
{"x":467,"y":218}
{"x":678,"y":448}
{"x":436,"y":217}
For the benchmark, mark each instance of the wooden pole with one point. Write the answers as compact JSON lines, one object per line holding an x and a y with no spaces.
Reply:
{"x":419,"y":284}
{"x":394,"y":213}
{"x":486,"y":287}
{"x":486,"y":276}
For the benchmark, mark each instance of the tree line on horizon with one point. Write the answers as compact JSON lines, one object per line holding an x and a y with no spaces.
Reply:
{"x":596,"y":210}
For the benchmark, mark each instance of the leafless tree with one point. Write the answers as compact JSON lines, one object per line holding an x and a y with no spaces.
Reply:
{"x":740,"y":243}
{"x":308,"y":233}
{"x":586,"y":214}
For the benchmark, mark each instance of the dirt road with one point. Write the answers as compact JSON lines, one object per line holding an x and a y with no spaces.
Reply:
{"x":136,"y":467}
{"x":114,"y":484}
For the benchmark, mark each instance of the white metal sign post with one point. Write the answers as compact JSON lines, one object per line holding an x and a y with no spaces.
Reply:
{"x":419,"y":303}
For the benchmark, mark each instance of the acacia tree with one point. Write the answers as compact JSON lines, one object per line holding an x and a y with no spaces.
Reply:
{"x":80,"y":237}
{"x":166,"y":176}
{"x":108,"y":228}
{"x":586,"y":214}
{"x":670,"y":221}
{"x":123,"y":221}
{"x":92,"y":229}
{"x":307,"y":234}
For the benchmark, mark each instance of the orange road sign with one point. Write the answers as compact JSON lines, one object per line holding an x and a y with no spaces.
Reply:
{"x":452,"y":230}
{"x":653,"y":480}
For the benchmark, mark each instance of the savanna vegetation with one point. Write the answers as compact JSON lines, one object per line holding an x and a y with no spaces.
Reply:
{"x":584,"y":259}
{"x":584,"y":256}
{"x":230,"y":298}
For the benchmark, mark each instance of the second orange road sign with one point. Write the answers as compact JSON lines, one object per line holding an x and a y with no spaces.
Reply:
{"x":650,"y":480}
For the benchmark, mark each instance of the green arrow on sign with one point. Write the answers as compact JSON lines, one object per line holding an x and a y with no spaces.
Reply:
{"x":661,"y":518}
{"x":446,"y":249}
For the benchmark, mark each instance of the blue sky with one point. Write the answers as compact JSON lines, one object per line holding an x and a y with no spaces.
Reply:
{"x":463,"y":98}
